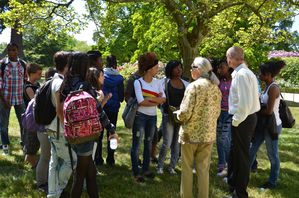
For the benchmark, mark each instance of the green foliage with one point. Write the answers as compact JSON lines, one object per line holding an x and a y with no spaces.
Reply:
{"x":127,"y":70}
{"x":290,"y":73}
{"x":2,"y":46}
{"x":40,"y":48}
{"x":48,"y":17}
{"x":115,"y":30}
{"x":154,"y":27}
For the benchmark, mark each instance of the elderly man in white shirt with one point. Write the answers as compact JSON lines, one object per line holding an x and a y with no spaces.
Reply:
{"x":243,"y":104}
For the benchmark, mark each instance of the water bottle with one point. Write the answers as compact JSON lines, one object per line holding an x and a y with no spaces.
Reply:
{"x":113,"y":143}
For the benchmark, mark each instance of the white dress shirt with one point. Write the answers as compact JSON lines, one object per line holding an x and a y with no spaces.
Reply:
{"x":243,"y":96}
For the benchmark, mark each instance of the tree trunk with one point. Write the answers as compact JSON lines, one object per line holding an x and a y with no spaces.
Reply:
{"x":188,"y":53}
{"x":17,"y":38}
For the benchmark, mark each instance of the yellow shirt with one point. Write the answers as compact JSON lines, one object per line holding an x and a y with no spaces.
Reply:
{"x":199,"y":111}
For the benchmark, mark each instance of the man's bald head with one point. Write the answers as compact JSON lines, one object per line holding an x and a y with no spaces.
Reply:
{"x":235,"y":56}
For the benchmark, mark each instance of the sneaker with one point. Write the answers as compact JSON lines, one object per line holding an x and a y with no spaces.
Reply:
{"x":222,"y":173}
{"x":160,"y":171}
{"x":267,"y":185}
{"x":172,"y":171}
{"x":225,"y":179}
{"x":5,"y":149}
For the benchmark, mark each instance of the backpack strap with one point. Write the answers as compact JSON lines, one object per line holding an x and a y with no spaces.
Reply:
{"x":3,"y":65}
{"x":71,"y":156}
{"x":58,"y":128}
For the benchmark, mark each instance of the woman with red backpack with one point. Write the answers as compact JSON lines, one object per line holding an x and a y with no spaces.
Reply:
{"x":76,"y":80}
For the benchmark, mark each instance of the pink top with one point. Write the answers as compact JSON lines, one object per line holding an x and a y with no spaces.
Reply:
{"x":224,"y":87}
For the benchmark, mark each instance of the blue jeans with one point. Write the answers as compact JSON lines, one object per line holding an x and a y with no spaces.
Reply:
{"x":4,"y":121}
{"x":223,"y":138}
{"x":272,"y":152}
{"x":60,"y":168}
{"x":144,"y":125}
{"x":170,"y":140}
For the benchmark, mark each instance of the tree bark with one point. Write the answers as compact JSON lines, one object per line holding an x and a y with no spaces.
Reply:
{"x":188,"y":53}
{"x":17,"y":38}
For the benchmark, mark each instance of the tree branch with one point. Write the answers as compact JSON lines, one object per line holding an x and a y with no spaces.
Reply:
{"x":256,"y":11}
{"x":174,"y":11}
{"x":221,"y":7}
{"x":57,"y":5}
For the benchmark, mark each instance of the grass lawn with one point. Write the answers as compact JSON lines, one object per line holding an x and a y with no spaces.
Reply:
{"x":17,"y":179}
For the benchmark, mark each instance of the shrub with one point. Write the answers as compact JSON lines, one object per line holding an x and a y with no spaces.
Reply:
{"x":290,"y":73}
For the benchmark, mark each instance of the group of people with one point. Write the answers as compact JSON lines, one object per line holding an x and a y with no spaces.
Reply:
{"x":224,"y":106}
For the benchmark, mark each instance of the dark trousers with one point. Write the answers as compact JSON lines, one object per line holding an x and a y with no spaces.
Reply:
{"x":238,"y":166}
{"x":112,"y":116}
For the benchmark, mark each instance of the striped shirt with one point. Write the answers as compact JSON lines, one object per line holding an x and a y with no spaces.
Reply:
{"x":152,"y":89}
{"x":12,"y":83}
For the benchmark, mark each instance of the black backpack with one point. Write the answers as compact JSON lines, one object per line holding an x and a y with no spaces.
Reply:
{"x":3,"y":65}
{"x":44,"y":110}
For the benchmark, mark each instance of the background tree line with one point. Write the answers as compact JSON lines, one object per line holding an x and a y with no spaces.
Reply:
{"x":174,"y":29}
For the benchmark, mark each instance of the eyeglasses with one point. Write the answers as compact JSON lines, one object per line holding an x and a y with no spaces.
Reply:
{"x":194,"y":67}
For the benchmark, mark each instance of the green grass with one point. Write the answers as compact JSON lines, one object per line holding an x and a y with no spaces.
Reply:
{"x":17,"y":179}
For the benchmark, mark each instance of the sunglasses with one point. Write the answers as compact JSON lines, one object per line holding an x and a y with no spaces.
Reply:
{"x":194,"y":67}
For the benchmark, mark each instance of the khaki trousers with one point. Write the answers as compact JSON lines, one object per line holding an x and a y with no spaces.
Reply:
{"x":201,"y":154}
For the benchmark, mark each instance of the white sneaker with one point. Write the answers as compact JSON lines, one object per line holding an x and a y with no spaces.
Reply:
{"x":160,"y":171}
{"x":5,"y":149}
{"x":172,"y":171}
{"x":225,"y":180}
{"x":223,"y":173}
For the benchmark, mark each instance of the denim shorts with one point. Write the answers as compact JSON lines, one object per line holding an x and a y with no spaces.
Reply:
{"x":84,"y":149}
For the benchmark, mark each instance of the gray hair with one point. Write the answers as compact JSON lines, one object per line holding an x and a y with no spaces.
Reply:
{"x":206,"y":68}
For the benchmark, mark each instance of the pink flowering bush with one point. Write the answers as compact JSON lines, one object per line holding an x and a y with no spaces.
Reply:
{"x":281,"y":54}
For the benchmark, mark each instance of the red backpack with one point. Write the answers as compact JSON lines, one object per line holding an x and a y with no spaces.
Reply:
{"x":81,"y":119}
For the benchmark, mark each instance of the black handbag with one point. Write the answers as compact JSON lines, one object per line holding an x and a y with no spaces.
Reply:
{"x":285,"y":114}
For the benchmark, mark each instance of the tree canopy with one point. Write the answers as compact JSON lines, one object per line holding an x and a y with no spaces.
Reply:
{"x":174,"y":29}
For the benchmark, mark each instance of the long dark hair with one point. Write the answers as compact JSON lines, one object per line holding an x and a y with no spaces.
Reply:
{"x":92,"y":77}
{"x":78,"y":64}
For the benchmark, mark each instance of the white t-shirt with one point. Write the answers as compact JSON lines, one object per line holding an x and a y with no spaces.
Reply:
{"x":152,"y":89}
{"x":264,"y":100}
{"x":57,"y":81}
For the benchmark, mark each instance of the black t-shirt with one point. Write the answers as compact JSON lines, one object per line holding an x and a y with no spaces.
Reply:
{"x":34,"y":87}
{"x":174,"y":96}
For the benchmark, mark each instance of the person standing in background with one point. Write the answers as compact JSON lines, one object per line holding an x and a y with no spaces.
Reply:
{"x":174,"y":88}
{"x":269,"y":123}
{"x":149,"y":94}
{"x":243,"y":105}
{"x":224,"y":121}
{"x":31,"y":143}
{"x":12,"y":79}
{"x":113,"y":84}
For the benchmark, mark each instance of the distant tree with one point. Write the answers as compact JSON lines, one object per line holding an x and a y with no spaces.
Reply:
{"x":50,"y":17}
